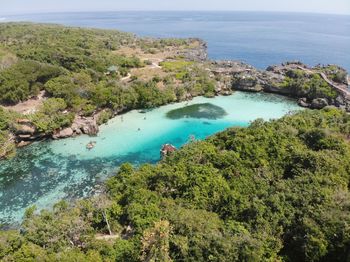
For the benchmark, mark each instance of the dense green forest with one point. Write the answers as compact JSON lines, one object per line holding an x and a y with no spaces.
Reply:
{"x":275,"y":191}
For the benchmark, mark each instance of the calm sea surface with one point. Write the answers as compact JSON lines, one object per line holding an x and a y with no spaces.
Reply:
{"x":260,"y":39}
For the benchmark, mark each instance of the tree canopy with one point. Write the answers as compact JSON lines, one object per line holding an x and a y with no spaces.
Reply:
{"x":275,"y":191}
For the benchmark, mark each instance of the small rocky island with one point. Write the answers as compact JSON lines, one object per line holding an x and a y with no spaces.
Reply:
{"x":68,"y":91}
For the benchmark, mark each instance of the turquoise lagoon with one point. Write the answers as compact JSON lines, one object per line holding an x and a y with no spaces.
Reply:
{"x":45,"y":172}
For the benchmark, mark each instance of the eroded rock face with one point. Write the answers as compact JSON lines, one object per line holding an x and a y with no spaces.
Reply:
{"x":86,"y":125}
{"x":273,"y":80}
{"x":24,"y":127}
{"x":64,"y":133}
{"x":247,"y":81}
{"x":198,"y":53}
{"x":25,"y":130}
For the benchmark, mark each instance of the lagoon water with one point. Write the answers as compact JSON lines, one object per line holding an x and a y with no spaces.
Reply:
{"x":46,"y":172}
{"x":258,"y":38}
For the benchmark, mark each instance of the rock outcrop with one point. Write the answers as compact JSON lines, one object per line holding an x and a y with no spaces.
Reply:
{"x":319,"y":103}
{"x":64,"y":133}
{"x":198,"y":53}
{"x":25,"y":130}
{"x":85,"y":125}
{"x":240,"y":76}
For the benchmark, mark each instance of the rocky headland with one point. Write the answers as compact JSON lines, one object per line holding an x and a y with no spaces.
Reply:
{"x":314,"y":87}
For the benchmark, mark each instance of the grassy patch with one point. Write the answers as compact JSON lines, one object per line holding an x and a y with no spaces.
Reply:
{"x":176,"y":66}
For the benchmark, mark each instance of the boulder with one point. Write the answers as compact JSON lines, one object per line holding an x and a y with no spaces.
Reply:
{"x":246,"y":81}
{"x":90,"y":128}
{"x":64,"y":133}
{"x":25,"y":129}
{"x":303,"y":102}
{"x":319,"y":103}
{"x":86,"y":125}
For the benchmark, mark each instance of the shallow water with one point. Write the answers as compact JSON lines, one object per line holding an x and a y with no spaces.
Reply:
{"x":46,"y":172}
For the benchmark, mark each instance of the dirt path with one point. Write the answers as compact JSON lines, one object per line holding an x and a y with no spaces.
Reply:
{"x":30,"y":106}
{"x":126,"y":78}
{"x":339,"y":87}
{"x":148,"y":71}
{"x":106,"y":237}
{"x":156,"y":62}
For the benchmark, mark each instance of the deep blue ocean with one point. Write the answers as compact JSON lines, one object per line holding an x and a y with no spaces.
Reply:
{"x":258,"y":38}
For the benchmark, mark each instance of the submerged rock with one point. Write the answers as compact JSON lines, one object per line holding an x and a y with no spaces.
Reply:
{"x":23,"y":144}
{"x":206,"y":111}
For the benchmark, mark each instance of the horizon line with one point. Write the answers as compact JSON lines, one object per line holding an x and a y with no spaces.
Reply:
{"x":149,"y":11}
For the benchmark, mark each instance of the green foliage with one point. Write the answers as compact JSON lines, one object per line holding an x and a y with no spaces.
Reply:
{"x":151,"y":96}
{"x":52,"y":117}
{"x":176,"y":66}
{"x":6,"y":141}
{"x":24,"y":79}
{"x":335,"y":73}
{"x":275,"y":191}
{"x":310,"y":87}
{"x":71,"y":48}
{"x":7,"y":59}
{"x":104,"y":116}
{"x":79,"y":67}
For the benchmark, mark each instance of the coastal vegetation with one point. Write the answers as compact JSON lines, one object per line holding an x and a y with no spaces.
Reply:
{"x":75,"y":72}
{"x":275,"y":191}
{"x":310,"y":87}
{"x":93,"y":73}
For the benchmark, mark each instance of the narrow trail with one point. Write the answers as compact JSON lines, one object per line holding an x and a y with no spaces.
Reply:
{"x":343,"y":89}
{"x":126,"y":78}
{"x":106,"y":237}
{"x":154,"y":65}
{"x":156,"y":62}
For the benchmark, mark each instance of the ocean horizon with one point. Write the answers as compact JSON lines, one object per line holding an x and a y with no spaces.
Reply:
{"x":257,"y":38}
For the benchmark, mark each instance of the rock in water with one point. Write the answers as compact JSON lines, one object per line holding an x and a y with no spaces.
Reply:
{"x":166,"y":150}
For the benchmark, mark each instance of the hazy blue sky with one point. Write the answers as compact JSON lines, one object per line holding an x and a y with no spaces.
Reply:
{"x":32,"y":6}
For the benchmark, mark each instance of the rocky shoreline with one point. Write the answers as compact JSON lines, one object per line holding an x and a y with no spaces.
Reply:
{"x":229,"y":76}
{"x":244,"y":77}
